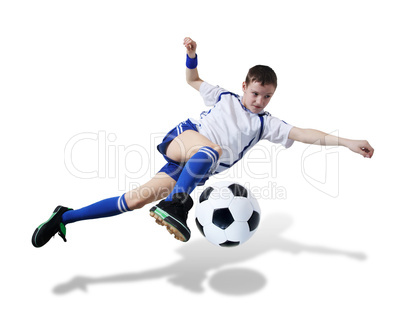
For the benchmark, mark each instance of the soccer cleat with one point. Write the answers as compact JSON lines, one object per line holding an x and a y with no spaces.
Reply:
{"x":173,"y":214}
{"x":48,"y":229}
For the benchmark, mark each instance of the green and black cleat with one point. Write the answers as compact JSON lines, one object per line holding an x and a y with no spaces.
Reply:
{"x":48,"y":229}
{"x":173,"y":214}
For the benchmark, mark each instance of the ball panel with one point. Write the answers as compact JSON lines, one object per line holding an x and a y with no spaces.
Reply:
{"x":238,"y":190}
{"x":204,"y":212}
{"x":222,"y":218}
{"x":229,"y":244}
{"x":200,"y":227}
{"x":238,"y":231}
{"x":241,"y":209}
{"x":254,"y":221}
{"x":205,"y":194}
{"x":254,"y":202}
{"x":214,"y":234}
{"x":220,"y":197}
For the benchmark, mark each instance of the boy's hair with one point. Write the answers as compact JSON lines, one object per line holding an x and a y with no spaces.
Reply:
{"x":262,"y":74}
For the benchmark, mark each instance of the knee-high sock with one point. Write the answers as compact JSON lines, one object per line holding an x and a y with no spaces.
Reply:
{"x":194,"y":170}
{"x":105,"y":208}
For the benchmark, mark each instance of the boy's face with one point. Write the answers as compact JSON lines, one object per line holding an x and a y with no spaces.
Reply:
{"x":257,"y":97}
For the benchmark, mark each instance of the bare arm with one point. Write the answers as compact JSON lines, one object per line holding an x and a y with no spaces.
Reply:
{"x":312,"y":136}
{"x":192,"y":76}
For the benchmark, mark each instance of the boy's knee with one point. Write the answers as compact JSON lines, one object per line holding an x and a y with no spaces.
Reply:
{"x":218,"y":149}
{"x":214,"y":147}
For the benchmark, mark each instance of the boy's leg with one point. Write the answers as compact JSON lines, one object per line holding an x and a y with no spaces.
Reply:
{"x":199,"y":154}
{"x":184,"y":146}
{"x":190,"y":147}
{"x":157,"y":188}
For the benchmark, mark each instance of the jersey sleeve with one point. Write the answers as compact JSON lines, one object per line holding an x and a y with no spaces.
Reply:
{"x":210,"y":93}
{"x":277,"y":131}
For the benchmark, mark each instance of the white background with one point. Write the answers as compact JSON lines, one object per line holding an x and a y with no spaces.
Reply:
{"x":327,"y":252}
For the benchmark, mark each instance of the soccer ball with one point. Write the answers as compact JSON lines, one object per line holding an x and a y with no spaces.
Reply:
{"x":227,"y":214}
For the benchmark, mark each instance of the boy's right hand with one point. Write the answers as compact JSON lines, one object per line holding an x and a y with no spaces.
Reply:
{"x":191,"y":47}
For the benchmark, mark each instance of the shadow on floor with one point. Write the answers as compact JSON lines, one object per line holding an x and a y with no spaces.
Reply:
{"x":199,"y":257}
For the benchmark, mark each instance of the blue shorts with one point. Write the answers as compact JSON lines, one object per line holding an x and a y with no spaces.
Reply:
{"x":174,"y":168}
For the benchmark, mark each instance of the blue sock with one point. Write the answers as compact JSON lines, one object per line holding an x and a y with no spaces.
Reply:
{"x":104,"y":208}
{"x":195,"y":170}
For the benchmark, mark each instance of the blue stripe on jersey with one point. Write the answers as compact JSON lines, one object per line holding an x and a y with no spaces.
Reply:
{"x":240,"y":156}
{"x":204,"y":113}
{"x":226,"y":93}
{"x":237,"y":97}
{"x":262,"y":126}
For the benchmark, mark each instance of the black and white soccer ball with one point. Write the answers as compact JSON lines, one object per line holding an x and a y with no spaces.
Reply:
{"x":227,"y":214}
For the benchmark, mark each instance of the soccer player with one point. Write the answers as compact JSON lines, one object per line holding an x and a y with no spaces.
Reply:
{"x":196,"y":149}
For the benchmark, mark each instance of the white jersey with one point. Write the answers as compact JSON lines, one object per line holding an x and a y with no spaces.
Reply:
{"x":235,"y":128}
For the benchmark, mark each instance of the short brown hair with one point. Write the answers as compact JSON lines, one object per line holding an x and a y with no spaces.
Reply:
{"x":262,"y":74}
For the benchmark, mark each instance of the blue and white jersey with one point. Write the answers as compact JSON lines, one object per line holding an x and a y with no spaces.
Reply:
{"x":235,"y":128}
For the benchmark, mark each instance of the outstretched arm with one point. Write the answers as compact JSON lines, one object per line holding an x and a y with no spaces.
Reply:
{"x":311,"y":136}
{"x":192,"y":76}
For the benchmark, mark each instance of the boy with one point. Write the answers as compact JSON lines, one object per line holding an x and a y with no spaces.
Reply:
{"x":196,"y":149}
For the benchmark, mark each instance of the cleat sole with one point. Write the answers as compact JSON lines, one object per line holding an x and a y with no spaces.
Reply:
{"x":170,"y":228}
